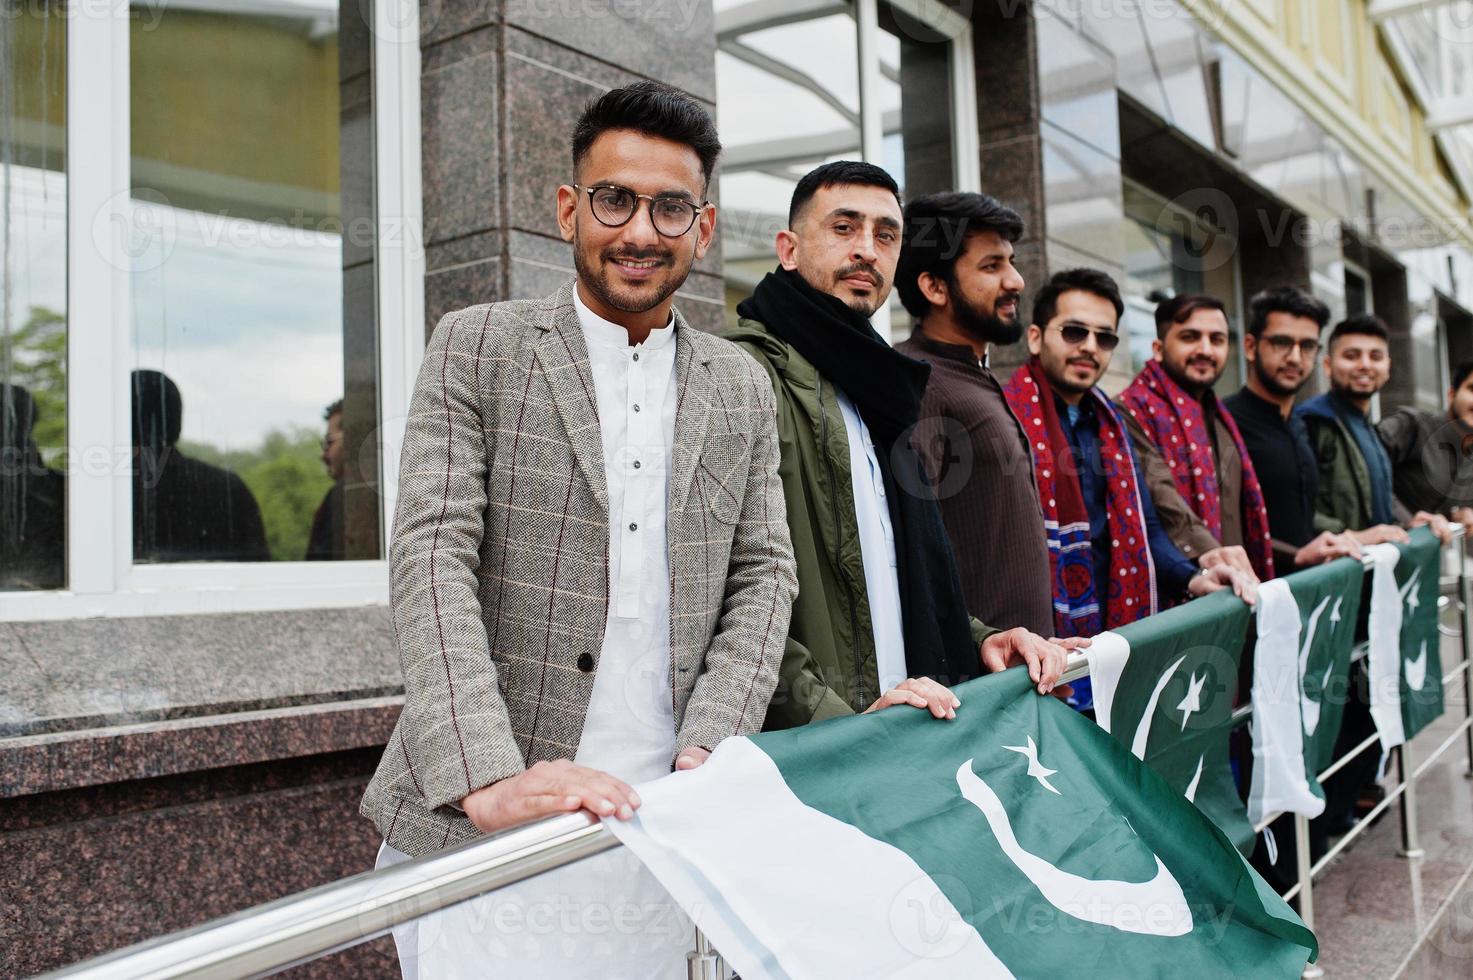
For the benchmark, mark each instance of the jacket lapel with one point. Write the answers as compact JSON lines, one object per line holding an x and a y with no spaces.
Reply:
{"x":563,"y":355}
{"x":695,"y":391}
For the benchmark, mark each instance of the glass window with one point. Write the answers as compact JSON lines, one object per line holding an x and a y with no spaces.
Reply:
{"x":809,"y":65}
{"x":810,"y":68}
{"x":33,"y":307}
{"x":254,"y":354}
{"x":1170,"y":251}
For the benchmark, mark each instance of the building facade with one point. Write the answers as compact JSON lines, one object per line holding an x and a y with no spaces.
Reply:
{"x":229,"y":224}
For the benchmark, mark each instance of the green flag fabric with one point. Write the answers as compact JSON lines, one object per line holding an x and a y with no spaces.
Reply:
{"x":1165,"y":687}
{"x":1301,"y":675}
{"x":1418,"y":587}
{"x":1016,"y":840}
{"x":1405,"y":662}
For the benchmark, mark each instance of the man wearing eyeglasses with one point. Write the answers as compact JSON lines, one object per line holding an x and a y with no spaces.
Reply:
{"x":591,"y":573}
{"x":1111,"y":561}
{"x":1282,"y":341}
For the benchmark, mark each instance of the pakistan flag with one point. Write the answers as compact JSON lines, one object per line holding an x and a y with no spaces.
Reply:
{"x":1301,"y":681}
{"x":1405,"y":663}
{"x":1016,"y":840}
{"x":1165,"y":686}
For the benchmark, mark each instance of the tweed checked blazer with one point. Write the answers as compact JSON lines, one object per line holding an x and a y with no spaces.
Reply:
{"x":499,"y":557}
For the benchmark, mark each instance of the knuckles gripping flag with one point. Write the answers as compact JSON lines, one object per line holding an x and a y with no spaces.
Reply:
{"x":1018,"y":839}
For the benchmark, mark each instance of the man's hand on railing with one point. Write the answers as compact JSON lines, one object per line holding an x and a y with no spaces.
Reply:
{"x":1464,"y":516}
{"x":1327,"y":547}
{"x":1046,"y":659}
{"x":1439,"y":525}
{"x":1218,"y":577}
{"x":920,"y":692}
{"x":546,"y":789}
{"x":1381,"y":534}
{"x":1231,"y":555}
{"x":692,"y":758}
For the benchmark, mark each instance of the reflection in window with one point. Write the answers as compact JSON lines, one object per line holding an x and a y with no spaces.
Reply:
{"x":811,"y":69}
{"x":32,"y":296}
{"x":1169,"y":252}
{"x":809,"y":66}
{"x":254,"y":344}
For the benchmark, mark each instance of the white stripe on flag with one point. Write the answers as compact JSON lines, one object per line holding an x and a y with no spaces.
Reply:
{"x":750,"y":862}
{"x":1107,"y":653}
{"x":1385,"y":646}
{"x":1279,"y":784}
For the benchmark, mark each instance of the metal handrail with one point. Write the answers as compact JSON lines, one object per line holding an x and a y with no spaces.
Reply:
{"x":272,"y":937}
{"x":298,"y":928}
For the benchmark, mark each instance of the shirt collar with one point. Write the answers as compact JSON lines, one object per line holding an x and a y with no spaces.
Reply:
{"x":952,"y":352}
{"x":607,"y":334}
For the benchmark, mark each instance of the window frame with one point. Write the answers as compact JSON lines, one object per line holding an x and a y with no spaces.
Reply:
{"x":101,"y":577}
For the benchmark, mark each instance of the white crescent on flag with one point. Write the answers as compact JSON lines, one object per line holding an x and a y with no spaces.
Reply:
{"x":1143,"y":729}
{"x":1416,"y":671}
{"x":1156,"y":907}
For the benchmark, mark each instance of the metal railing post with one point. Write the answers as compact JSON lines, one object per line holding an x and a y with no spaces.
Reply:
{"x":1408,"y":805}
{"x":1303,"y":859}
{"x":703,"y":962}
{"x":1466,"y":639}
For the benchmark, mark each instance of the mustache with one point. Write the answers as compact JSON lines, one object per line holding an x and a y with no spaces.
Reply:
{"x":858,"y":267}
{"x":1084,"y":360}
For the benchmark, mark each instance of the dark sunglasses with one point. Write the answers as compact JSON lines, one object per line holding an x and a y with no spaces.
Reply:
{"x":1074,"y":335}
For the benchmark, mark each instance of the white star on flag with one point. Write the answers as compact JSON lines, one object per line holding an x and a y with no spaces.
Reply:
{"x":1193,"y":701}
{"x":1335,"y":613}
{"x":1036,"y":769}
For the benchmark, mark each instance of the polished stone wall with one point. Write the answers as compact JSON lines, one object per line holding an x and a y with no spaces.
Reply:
{"x":503,"y":82}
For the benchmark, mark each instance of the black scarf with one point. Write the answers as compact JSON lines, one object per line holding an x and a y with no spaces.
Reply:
{"x":886,"y":387}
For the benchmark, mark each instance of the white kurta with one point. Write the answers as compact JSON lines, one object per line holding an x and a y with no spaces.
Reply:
{"x":876,"y":547}
{"x":605,"y":916}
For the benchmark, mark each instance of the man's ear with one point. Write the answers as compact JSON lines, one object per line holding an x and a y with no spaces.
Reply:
{"x":705,"y":230}
{"x":1035,"y":339}
{"x":1158,"y":350}
{"x":787,"y":249}
{"x":933,"y":288}
{"x":567,"y":210}
{"x":1250,"y":348}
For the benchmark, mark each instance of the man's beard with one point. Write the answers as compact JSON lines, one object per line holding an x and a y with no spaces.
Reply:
{"x":986,"y":325}
{"x":594,"y":275}
{"x":1273,"y":385}
{"x":1191,"y":387}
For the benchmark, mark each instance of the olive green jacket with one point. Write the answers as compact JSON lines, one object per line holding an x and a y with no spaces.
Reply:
{"x":1344,"y":499}
{"x":829,"y":666}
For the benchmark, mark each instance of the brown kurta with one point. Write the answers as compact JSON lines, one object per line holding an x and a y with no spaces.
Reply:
{"x":980,"y":463}
{"x":1181,"y":523}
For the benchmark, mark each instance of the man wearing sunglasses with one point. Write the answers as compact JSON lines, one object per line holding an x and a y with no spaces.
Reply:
{"x":1201,"y":479}
{"x":1284,"y":325}
{"x":881,"y":618}
{"x":1111,"y":561}
{"x":591,"y":569}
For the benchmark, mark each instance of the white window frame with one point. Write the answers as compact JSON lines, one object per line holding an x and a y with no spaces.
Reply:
{"x":102,"y":579}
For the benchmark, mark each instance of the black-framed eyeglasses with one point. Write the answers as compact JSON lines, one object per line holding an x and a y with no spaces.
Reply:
{"x":1282,"y":344}
{"x":613,"y":206}
{"x":1074,"y":335}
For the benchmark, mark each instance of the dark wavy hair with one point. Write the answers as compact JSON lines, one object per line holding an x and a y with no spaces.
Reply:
{"x":936,"y":229}
{"x":1046,"y":303}
{"x":834,"y":174}
{"x":654,"y":109}
{"x":1284,"y":299}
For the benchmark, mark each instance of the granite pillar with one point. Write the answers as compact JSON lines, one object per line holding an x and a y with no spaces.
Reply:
{"x":503,"y":82}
